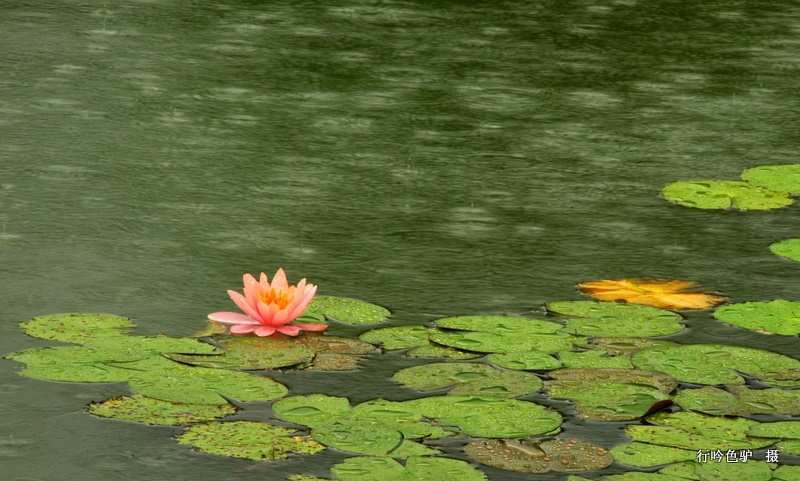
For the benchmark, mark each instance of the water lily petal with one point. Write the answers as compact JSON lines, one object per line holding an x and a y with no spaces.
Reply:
{"x":302,"y":302}
{"x":232,"y":318}
{"x":250,"y":289}
{"x":279,"y":281}
{"x":280,"y":317}
{"x":264,"y":313}
{"x":244,"y":328}
{"x":289,"y":330}
{"x":243,"y":304}
{"x":311,"y":327}
{"x":264,"y":282}
{"x":264,"y":331}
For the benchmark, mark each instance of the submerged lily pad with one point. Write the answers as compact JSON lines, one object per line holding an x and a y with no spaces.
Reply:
{"x":248,"y":440}
{"x":750,"y":471}
{"x":146,"y":410}
{"x":697,"y":431}
{"x":564,"y":455}
{"x":724,"y":194}
{"x":489,"y":417}
{"x":468,"y":379}
{"x":593,"y":318}
{"x":525,"y":361}
{"x":645,"y":455}
{"x":718,"y":364}
{"x":611,"y":394}
{"x":77,"y":328}
{"x":778,"y":317}
{"x":777,"y":178}
{"x":348,"y":311}
{"x":416,"y":469}
{"x":740,"y":401}
{"x":789,"y":248}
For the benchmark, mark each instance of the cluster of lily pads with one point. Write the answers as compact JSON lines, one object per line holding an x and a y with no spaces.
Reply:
{"x":601,"y":356}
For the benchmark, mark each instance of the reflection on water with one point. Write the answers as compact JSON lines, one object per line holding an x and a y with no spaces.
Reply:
{"x":432,"y":157}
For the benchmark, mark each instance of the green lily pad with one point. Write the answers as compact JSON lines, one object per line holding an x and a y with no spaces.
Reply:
{"x":407,"y":420}
{"x":777,"y":178}
{"x":564,"y":455}
{"x":724,"y":194}
{"x":170,"y":381}
{"x":688,"y":430}
{"x":751,"y":471}
{"x":780,"y":429}
{"x":507,"y":341}
{"x":433,"y":350}
{"x":251,"y":353}
{"x":789,"y":447}
{"x":417,"y":468}
{"x":311,"y":410}
{"x":70,"y":363}
{"x":525,"y":361}
{"x":626,"y":345}
{"x":778,"y":317}
{"x":789,"y":248}
{"x":349,"y":311}
{"x":596,"y":359}
{"x":362,"y":436}
{"x":146,"y":410}
{"x":740,"y":401}
{"x":468,"y":379}
{"x":594,"y":318}
{"x":644,"y":455}
{"x":718,"y":364}
{"x":489,"y":417}
{"x":499,"y":324}
{"x":400,"y":337}
{"x":77,"y":328}
{"x":636,"y":476}
{"x":786,"y":473}
{"x":611,"y":394}
{"x":248,"y":440}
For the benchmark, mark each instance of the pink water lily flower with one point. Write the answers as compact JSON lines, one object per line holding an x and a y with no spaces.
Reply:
{"x":269,"y":307}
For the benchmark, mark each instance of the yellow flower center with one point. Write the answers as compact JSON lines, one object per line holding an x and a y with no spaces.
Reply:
{"x":281,"y":298}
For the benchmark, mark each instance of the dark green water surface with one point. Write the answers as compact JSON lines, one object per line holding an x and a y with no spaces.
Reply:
{"x":437,"y":158}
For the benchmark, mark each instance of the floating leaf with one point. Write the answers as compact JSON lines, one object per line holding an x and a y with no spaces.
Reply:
{"x":506,"y":341}
{"x":592,"y":318}
{"x":636,"y":476}
{"x":146,"y":410}
{"x":778,"y":317}
{"x":249,"y":440}
{"x":489,"y":417}
{"x":564,"y":455}
{"x":789,"y":248}
{"x":251,"y":353}
{"x":626,"y":345}
{"x":401,"y":337}
{"x":644,"y":455}
{"x":416,"y":469}
{"x":697,"y":431}
{"x":594,"y":359}
{"x":362,"y":436}
{"x":525,"y":361}
{"x":170,"y":381}
{"x":786,"y":473}
{"x":777,"y":178}
{"x":724,"y":194}
{"x":311,"y":410}
{"x":750,"y":471}
{"x":672,"y":294}
{"x":433,"y":350}
{"x":780,"y":429}
{"x":499,"y":324}
{"x":469,"y":379}
{"x":70,"y":363}
{"x":717,"y":364}
{"x":77,"y":328}
{"x":740,"y":401}
{"x":611,"y":394}
{"x":349,"y":311}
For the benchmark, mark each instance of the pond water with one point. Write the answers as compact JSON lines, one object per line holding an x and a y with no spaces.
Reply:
{"x":436,"y":158}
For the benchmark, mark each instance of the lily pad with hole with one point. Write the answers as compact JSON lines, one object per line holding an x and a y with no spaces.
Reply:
{"x":740,"y":401}
{"x":70,"y":363}
{"x":525,"y":361}
{"x":77,"y":328}
{"x":777,"y":178}
{"x":489,"y":417}
{"x":777,"y":317}
{"x":170,"y":381}
{"x":146,"y":410}
{"x":348,"y":311}
{"x":563,"y":455}
{"x":248,"y":440}
{"x":593,"y":318}
{"x":724,"y":194}
{"x":722,"y":471}
{"x":417,"y":468}
{"x":718,"y":364}
{"x":789,"y":248}
{"x":645,"y":455}
{"x":596,"y":359}
{"x":468,"y":379}
{"x":610,"y":394}
{"x":688,"y":430}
